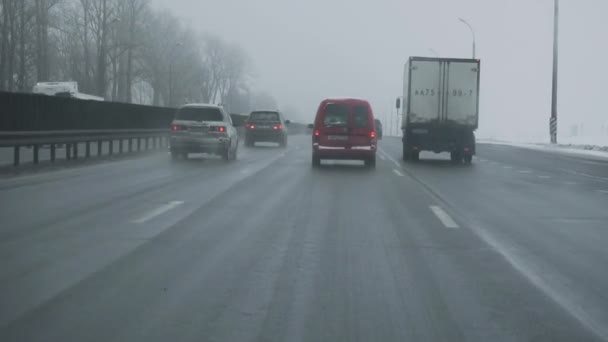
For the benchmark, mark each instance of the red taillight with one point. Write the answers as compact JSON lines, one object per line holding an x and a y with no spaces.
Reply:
{"x":221,"y":129}
{"x":466,"y":149}
{"x":372,"y":134}
{"x":176,"y":128}
{"x":250,"y":126}
{"x":277,"y":127}
{"x":317,"y":133}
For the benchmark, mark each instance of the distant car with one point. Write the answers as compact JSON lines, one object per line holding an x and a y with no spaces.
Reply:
{"x":266,"y":126}
{"x":203,"y":128}
{"x":344,"y":129}
{"x":378,"y":128}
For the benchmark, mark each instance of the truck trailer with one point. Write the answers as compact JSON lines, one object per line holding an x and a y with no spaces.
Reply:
{"x":440,"y":107}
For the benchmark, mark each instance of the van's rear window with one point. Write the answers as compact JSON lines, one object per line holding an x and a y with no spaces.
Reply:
{"x":264,"y":116}
{"x":199,"y":114}
{"x":360,"y":117}
{"x":335,"y":115}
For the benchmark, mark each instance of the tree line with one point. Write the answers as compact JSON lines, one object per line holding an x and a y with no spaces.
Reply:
{"x":122,"y":50}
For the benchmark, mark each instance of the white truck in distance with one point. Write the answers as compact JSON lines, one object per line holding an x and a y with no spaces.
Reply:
{"x":440,"y":107}
{"x":63,"y":89}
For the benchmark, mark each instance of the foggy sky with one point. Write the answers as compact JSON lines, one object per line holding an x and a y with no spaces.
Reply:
{"x":304,"y":51}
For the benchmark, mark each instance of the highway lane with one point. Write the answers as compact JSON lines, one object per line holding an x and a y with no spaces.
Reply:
{"x":269,"y":249}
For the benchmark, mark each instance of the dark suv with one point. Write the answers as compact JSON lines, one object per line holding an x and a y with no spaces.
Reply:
{"x":378,"y":125}
{"x":266,"y":126}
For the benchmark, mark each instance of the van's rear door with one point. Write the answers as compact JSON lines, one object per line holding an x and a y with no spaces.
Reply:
{"x":334,"y":127}
{"x":361,"y":125}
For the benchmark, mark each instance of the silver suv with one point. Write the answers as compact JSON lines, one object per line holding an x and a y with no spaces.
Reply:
{"x":203,"y":128}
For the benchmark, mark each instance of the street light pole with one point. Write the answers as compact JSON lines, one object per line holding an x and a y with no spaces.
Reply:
{"x":472,"y":33}
{"x":553,"y":120}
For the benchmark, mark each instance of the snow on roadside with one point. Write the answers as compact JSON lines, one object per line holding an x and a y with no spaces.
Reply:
{"x":569,"y":147}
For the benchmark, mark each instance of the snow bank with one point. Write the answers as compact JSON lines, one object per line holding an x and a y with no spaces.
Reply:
{"x":576,"y":147}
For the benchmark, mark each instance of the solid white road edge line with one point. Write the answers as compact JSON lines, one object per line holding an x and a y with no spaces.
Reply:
{"x":447,"y":221}
{"x":398,"y":173}
{"x":382,"y":156}
{"x":158,"y":211}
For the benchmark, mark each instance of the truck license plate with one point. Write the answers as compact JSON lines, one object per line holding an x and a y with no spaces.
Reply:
{"x":337,"y":137}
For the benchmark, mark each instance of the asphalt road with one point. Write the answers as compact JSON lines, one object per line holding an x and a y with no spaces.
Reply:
{"x":512,"y":248}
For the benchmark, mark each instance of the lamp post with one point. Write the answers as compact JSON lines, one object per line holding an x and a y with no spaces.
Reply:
{"x":472,"y":32}
{"x":553,"y":119}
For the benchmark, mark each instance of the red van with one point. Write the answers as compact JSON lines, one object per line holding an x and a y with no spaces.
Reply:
{"x":344,"y":129}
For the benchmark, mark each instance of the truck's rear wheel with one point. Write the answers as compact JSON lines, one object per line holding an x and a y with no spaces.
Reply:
{"x":468,"y":158}
{"x":406,"y":155}
{"x":415,"y":155}
{"x":455,"y":157}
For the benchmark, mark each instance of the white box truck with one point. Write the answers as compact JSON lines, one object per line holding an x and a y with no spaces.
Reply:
{"x":440,"y":107}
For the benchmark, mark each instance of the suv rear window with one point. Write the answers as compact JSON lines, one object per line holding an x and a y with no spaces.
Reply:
{"x":360,"y":117}
{"x":335,"y":115}
{"x":264,"y":116}
{"x":199,"y":114}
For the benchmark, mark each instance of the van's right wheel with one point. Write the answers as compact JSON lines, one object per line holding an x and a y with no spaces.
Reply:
{"x":316,"y":161}
{"x":370,"y":163}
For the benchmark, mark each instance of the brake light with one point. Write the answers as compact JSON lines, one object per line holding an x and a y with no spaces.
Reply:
{"x":372,"y":134}
{"x":221,"y":129}
{"x":250,"y":126}
{"x":277,"y":127}
{"x":317,"y":133}
{"x":176,"y":128}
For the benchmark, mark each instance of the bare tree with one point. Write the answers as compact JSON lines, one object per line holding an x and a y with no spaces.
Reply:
{"x":113,"y":47}
{"x":132,"y":13}
{"x":102,"y":19}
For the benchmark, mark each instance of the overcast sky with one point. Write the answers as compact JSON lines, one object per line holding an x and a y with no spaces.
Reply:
{"x":306,"y":50}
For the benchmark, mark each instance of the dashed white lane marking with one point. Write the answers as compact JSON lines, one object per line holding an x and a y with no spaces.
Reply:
{"x":245,"y":171}
{"x":605,"y":192}
{"x":524,"y":171}
{"x":389,"y":158}
{"x":507,"y":167}
{"x":544,"y":177}
{"x":158,"y":211}
{"x":571,"y":183}
{"x":447,"y":221}
{"x":398,"y":173}
{"x":381,"y":156}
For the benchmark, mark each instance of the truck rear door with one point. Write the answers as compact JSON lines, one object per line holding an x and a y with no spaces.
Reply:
{"x":462,"y":92}
{"x":424,"y":91}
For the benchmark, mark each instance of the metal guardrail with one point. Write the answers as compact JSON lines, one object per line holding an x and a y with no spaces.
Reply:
{"x":136,"y":140}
